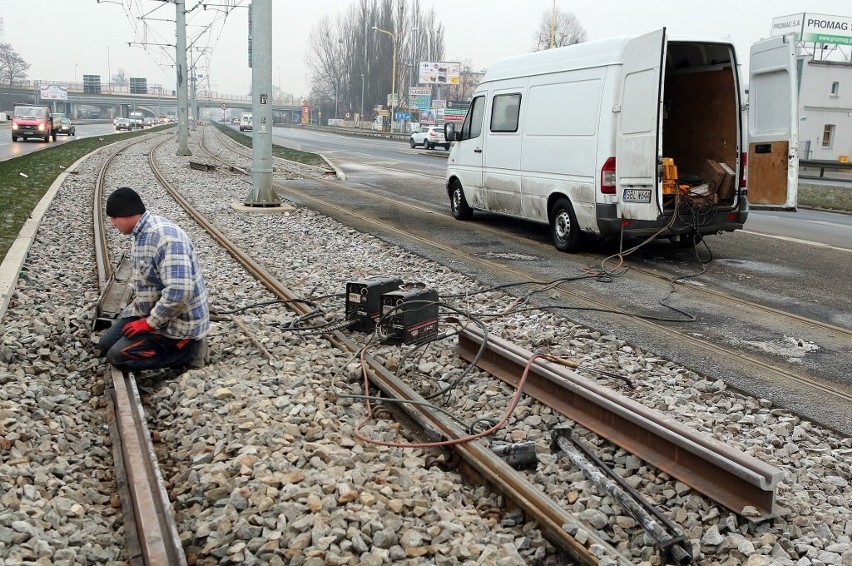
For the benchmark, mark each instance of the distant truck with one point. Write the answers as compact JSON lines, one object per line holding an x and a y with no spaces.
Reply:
{"x":246,"y":122}
{"x":33,"y":122}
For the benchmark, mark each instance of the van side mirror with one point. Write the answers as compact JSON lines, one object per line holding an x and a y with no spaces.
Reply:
{"x":450,"y":132}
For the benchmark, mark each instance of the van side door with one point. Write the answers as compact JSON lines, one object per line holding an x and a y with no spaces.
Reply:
{"x":502,"y":174}
{"x":466,"y":160}
{"x":773,"y":122}
{"x":638,"y":139}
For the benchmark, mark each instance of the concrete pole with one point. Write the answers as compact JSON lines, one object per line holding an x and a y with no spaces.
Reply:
{"x":180,"y":58}
{"x":194,"y":82}
{"x":262,"y":193}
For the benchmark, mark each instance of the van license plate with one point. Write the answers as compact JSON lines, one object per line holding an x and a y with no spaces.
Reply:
{"x":636,"y":195}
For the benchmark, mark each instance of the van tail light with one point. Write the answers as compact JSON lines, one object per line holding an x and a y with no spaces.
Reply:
{"x":608,"y":177}
{"x":743,"y":165}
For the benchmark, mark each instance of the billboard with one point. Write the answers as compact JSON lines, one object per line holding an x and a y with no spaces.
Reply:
{"x":816,"y":28}
{"x":431,"y":73}
{"x":420,"y":97}
{"x":53,"y":92}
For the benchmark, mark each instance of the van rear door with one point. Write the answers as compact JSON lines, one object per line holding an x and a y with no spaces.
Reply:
{"x":773,"y":122}
{"x":639,"y":128}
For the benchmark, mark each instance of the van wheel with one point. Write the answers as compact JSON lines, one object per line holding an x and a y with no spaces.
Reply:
{"x":563,"y":226}
{"x":458,"y":204}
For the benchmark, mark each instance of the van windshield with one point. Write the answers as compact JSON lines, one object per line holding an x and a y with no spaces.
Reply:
{"x":29,"y":112}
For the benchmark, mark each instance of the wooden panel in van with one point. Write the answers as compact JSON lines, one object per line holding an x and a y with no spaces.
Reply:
{"x":700,"y":119}
{"x":767,"y":172}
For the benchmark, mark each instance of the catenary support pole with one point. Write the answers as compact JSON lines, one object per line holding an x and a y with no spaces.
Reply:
{"x":261,"y":193}
{"x":180,"y":58}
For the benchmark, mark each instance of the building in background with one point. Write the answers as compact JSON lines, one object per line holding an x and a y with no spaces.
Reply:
{"x":824,"y":45}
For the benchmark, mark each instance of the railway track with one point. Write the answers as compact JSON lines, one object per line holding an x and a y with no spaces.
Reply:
{"x":477,"y":461}
{"x":713,"y":478}
{"x":149,"y":523}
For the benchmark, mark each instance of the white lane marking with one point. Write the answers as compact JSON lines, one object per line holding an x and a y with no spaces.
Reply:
{"x":799,"y":241}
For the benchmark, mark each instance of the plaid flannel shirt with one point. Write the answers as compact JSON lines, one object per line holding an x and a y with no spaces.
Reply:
{"x":169,"y":288}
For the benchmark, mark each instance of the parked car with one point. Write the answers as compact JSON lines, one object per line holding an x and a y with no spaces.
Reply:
{"x":66,"y":127}
{"x":123,"y":124}
{"x":429,"y":137}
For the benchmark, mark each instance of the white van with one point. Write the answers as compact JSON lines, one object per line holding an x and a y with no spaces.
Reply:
{"x":641,"y":136}
{"x":245,"y":121}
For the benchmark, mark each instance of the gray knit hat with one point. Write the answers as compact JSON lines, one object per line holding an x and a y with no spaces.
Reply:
{"x":124,"y":201}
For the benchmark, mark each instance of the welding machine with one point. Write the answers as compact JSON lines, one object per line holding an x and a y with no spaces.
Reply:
{"x":409,"y":315}
{"x":363,"y":300}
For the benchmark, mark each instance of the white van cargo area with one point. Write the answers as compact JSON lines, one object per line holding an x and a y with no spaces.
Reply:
{"x":641,"y":136}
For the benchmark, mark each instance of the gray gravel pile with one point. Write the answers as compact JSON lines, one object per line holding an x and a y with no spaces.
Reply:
{"x":260,"y":448}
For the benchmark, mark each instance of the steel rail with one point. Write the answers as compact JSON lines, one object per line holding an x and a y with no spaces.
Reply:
{"x":155,"y":529}
{"x":728,"y":476}
{"x":553,"y":520}
{"x":150,"y":530}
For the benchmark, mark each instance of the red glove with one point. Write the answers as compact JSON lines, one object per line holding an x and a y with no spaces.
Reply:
{"x":131,"y":329}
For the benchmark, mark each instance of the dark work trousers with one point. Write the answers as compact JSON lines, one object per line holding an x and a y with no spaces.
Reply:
{"x":146,"y":350}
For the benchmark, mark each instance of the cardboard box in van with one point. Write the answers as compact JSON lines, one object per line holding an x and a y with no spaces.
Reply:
{"x":719,"y":178}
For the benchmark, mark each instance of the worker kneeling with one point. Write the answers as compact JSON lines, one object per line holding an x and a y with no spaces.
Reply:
{"x":165,"y":324}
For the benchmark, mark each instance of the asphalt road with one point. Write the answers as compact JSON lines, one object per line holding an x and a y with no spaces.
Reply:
{"x":10,"y":149}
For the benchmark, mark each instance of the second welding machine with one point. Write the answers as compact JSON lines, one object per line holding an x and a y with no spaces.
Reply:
{"x":363,"y":300}
{"x":409,"y":315}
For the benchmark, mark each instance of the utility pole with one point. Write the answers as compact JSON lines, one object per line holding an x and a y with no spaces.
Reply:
{"x":180,"y":58}
{"x":261,"y":193}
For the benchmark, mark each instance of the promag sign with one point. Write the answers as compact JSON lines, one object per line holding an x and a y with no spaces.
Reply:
{"x":816,"y":28}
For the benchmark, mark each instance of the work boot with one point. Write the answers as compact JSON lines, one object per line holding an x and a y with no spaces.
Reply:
{"x":199,"y":354}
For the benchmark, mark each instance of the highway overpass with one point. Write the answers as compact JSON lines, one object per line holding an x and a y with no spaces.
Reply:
{"x":118,"y":101}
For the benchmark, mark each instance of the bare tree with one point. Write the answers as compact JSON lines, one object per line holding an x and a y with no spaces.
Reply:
{"x":468,"y":81}
{"x":352,"y":63}
{"x":558,"y":29}
{"x":326,"y":61}
{"x":12,"y":66}
{"x":119,"y":78}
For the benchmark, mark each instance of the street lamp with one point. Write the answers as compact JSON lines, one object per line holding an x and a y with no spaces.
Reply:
{"x":109,"y":73}
{"x":393,"y":74}
{"x":362,"y":97}
{"x":280,"y":91}
{"x":75,"y":73}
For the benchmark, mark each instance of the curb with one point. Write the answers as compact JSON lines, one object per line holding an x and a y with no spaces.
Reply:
{"x":337,"y":171}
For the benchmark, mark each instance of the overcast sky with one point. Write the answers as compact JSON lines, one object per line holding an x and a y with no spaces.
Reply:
{"x":87,"y":37}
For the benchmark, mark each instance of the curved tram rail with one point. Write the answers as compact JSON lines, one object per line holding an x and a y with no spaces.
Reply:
{"x":152,"y":536}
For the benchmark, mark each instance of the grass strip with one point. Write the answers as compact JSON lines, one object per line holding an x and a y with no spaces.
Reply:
{"x":277,"y":150}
